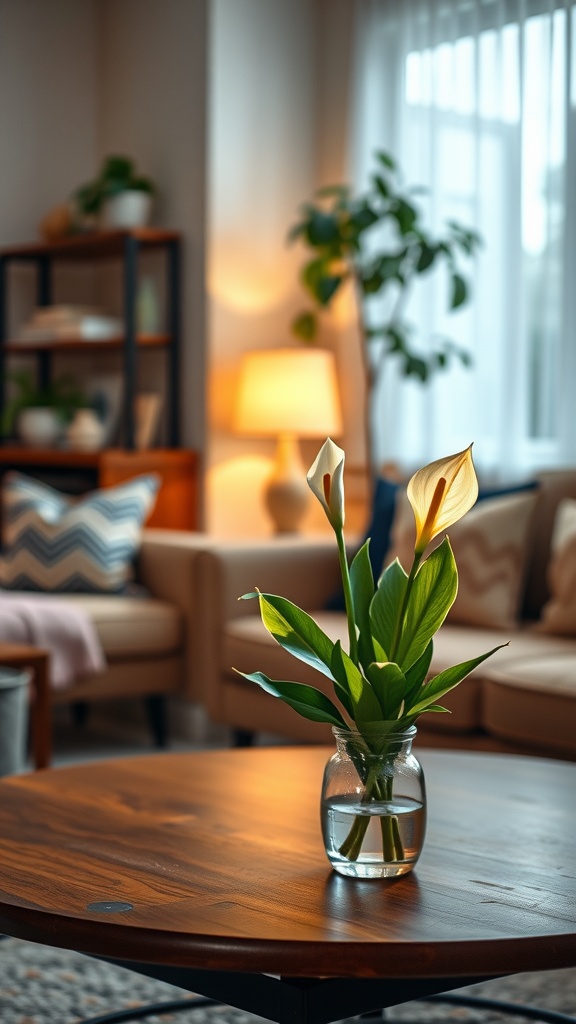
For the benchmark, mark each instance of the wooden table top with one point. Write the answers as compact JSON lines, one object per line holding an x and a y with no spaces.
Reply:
{"x":220,"y":855}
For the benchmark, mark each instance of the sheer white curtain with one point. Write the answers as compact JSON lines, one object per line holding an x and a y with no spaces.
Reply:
{"x":477,"y":101}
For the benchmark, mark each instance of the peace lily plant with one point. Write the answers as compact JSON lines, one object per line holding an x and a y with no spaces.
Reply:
{"x":381,"y":681}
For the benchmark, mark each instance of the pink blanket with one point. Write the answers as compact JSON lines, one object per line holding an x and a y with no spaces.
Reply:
{"x":65,"y":631}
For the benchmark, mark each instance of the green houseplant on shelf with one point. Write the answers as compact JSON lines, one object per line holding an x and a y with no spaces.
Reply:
{"x":119,"y":193}
{"x":373,"y":802}
{"x":39,"y":414}
{"x":377,"y":242}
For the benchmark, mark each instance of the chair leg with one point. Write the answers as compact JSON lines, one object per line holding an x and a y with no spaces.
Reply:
{"x":243,"y":738}
{"x":156,"y":708}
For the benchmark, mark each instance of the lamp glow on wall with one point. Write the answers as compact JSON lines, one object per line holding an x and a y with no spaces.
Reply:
{"x":288,"y":393}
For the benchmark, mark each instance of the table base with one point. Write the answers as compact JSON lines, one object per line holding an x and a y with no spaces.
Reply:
{"x":299,"y":1000}
{"x":469,"y":1001}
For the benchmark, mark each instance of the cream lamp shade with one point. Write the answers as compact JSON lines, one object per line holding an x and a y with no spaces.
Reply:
{"x":288,"y":393}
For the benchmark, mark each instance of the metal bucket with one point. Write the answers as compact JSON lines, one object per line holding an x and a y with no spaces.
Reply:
{"x":13,"y":719}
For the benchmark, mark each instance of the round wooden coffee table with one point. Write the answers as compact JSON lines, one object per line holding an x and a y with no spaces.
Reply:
{"x":208,"y":870}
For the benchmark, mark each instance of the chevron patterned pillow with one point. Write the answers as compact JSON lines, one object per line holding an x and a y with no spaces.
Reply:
{"x":54,"y":542}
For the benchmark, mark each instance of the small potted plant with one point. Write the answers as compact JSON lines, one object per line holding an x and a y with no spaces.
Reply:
{"x":119,"y":195}
{"x":39,"y":414}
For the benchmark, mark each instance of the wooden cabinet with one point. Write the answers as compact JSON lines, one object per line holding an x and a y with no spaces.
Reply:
{"x":74,"y":471}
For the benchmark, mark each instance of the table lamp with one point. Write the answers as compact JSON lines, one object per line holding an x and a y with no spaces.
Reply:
{"x":288,"y":393}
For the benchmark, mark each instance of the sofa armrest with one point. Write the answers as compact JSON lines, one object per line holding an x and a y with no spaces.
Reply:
{"x":303,"y":570}
{"x":167,"y":566}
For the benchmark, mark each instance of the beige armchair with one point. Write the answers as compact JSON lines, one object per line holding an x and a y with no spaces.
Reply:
{"x":149,"y":641}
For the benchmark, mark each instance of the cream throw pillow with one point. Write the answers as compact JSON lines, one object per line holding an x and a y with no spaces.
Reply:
{"x":559,"y":613}
{"x":490,"y":546}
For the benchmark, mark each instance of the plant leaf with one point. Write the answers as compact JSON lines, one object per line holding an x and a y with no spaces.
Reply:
{"x":389,"y":684}
{"x":364,"y":703}
{"x":306,"y":700}
{"x":385,"y":604}
{"x":341,"y":684}
{"x":433,"y":593}
{"x":362,"y":583}
{"x":305,"y":326}
{"x":447,"y":680}
{"x":459,"y":291}
{"x":296,"y":632}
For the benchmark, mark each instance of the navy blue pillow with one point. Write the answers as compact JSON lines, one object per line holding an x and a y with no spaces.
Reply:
{"x":379,"y":530}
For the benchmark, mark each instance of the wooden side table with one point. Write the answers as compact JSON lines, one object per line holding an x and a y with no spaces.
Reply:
{"x":36,"y":659}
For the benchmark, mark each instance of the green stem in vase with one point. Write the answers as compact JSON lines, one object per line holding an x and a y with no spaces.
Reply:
{"x":392,"y":845}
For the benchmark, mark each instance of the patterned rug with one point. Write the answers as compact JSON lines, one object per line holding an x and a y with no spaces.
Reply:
{"x":43,"y":985}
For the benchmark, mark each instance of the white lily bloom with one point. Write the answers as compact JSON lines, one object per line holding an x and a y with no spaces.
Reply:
{"x":326,"y":479}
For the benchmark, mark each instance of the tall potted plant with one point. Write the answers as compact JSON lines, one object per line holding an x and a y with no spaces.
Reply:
{"x":378,"y":242}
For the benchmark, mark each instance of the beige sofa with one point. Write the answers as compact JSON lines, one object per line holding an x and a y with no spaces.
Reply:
{"x":523,"y":699}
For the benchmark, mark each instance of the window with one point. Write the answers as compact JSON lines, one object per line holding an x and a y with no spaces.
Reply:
{"x":481,"y":107}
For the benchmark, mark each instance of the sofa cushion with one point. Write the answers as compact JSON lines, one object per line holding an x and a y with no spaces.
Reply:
{"x":532,"y":701}
{"x":490,"y":547}
{"x":559,"y":613}
{"x":52,"y":542}
{"x":130,"y":626}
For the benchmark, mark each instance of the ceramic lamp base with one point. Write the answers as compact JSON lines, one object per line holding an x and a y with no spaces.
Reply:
{"x":287,"y":493}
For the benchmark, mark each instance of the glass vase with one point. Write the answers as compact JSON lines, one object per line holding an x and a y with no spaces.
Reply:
{"x":373,"y":805}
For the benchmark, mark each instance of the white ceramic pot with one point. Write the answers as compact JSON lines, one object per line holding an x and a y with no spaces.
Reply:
{"x":130,"y":209}
{"x":86,"y":431}
{"x":39,"y":427}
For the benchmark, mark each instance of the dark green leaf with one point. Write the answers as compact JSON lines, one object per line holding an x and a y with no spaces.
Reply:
{"x":385,"y":604}
{"x":305,"y":326}
{"x":416,"y":675}
{"x":322,"y":228}
{"x":362,"y":583}
{"x":364,"y":702}
{"x":405,"y":215}
{"x":341,"y":684}
{"x":447,"y":680}
{"x":389,"y":685}
{"x":306,"y":700}
{"x":386,"y":159}
{"x":296,"y":632}
{"x":459,"y":291}
{"x":426,"y":258}
{"x":433,"y":593}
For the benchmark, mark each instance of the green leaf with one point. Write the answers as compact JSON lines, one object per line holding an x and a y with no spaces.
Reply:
{"x":319,"y":281}
{"x":389,"y":684}
{"x":385,"y":604}
{"x":405,"y":215}
{"x":306,"y":700}
{"x":322,"y":228}
{"x":459,"y":291}
{"x":386,"y":159}
{"x":362,"y":584}
{"x":296,"y":632}
{"x":416,"y":675}
{"x":364,"y":702}
{"x":433,"y":593}
{"x":426,"y":258}
{"x":341,"y":684}
{"x":305,"y":326}
{"x":448,"y":679}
